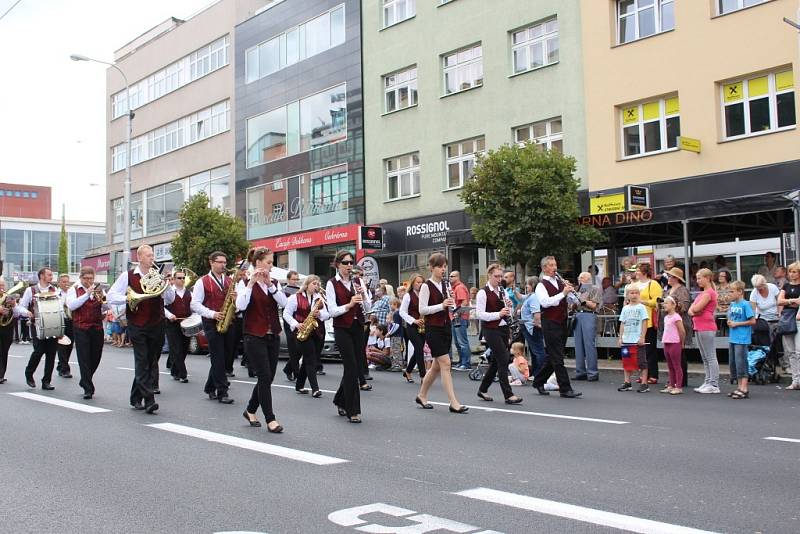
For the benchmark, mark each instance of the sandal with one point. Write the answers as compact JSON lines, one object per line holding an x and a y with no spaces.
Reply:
{"x":354,"y":419}
{"x":731,"y":394}
{"x":740,"y":395}
{"x":317,"y":394}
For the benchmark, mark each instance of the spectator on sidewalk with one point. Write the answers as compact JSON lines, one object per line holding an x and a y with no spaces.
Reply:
{"x":780,"y":276}
{"x":768,"y":269}
{"x":632,"y":331}
{"x":764,"y":299}
{"x":649,"y":293}
{"x":740,"y":321}
{"x":789,"y":298}
{"x":683,"y":300}
{"x":705,"y":328}
{"x":518,"y":369}
{"x":723,"y":291}
{"x":610,"y":297}
{"x":586,"y":329}
{"x":673,"y":340}
{"x":460,"y":322}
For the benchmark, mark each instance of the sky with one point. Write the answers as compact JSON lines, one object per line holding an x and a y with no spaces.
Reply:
{"x":52,"y":109}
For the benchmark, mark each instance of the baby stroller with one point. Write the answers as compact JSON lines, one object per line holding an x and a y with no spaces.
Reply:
{"x":763,"y":357}
{"x":483,"y":366}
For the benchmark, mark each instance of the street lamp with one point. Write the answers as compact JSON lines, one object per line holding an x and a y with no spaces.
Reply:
{"x":126,"y":202}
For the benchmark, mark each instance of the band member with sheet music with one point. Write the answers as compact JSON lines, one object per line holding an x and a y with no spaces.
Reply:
{"x":493,"y":308}
{"x":64,"y":351}
{"x":41,"y":347}
{"x":174,"y":313}
{"x":435,"y":304}
{"x":85,"y":301}
{"x":415,"y":327}
{"x":145,"y":327}
{"x":307,"y":300}
{"x":208,"y":297}
{"x":259,"y":300}
{"x":348,"y":303}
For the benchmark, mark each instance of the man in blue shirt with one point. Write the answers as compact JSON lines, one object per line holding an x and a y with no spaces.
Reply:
{"x":532,"y":320}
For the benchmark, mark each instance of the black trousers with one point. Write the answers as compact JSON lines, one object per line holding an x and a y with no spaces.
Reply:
{"x":292,"y":366}
{"x":6,"y":338}
{"x":555,"y":338}
{"x":217,"y":382}
{"x":497,"y":340}
{"x":147,"y":343}
{"x":42,"y":347}
{"x":262,"y":358}
{"x":178,"y":348}
{"x":351,"y":348}
{"x":311,"y":349}
{"x":25,"y":329}
{"x":418,"y":342}
{"x":651,"y":338}
{"x":65,"y":351}
{"x":235,"y":334}
{"x":89,"y":346}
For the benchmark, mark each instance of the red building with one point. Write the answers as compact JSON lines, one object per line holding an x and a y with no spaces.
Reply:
{"x":25,"y":201}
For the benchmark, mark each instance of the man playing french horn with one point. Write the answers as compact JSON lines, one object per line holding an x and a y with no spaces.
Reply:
{"x":145,"y":293}
{"x":85,"y":301}
{"x":305,"y":313}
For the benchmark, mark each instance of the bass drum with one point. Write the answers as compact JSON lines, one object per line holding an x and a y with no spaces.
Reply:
{"x":49,"y":317}
{"x":192,"y":325}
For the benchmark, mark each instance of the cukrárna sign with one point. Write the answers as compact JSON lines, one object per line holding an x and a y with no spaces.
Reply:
{"x":625,"y":218}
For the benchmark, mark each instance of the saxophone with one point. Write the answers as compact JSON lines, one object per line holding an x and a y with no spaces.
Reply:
{"x":310,"y":323}
{"x":228,"y":309}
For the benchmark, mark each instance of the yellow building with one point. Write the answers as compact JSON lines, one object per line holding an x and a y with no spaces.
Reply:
{"x":696,"y":100}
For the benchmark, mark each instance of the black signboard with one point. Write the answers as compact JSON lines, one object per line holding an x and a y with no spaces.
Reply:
{"x":423,"y":233}
{"x":638,"y":197}
{"x":372,"y":237}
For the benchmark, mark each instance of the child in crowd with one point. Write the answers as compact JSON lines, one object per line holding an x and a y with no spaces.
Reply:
{"x":378,"y":348}
{"x":395,"y":333}
{"x":740,"y":321}
{"x":518,"y":368}
{"x":632,"y":329}
{"x":674,"y":334}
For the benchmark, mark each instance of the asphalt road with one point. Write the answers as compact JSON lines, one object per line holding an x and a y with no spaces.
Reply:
{"x":614,"y":462}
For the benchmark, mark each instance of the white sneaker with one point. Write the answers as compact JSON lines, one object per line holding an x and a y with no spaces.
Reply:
{"x":709,"y":389}
{"x":702,"y":388}
{"x":713,"y":389}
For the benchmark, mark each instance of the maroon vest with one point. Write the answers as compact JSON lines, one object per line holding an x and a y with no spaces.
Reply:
{"x":261,"y":315}
{"x":303,"y":309}
{"x":413,"y":304}
{"x":213,"y":296}
{"x":149,"y":312}
{"x":181,"y":306}
{"x":555,"y":313}
{"x":441,"y":318}
{"x":343,"y":296}
{"x":89,"y":316}
{"x":493,"y":304}
{"x":32,"y":304}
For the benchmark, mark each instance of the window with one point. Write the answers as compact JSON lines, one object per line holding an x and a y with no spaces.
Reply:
{"x":535,"y":46}
{"x":163,"y":204}
{"x":641,"y":18}
{"x":752,"y":106}
{"x":313,"y":37}
{"x":118,"y":158}
{"x":309,"y":123}
{"x":402,"y":176}
{"x":651,"y":127}
{"x":461,"y":160}
{"x":34,"y":194}
{"x":463,"y":69}
{"x":547,"y":134}
{"x":215,"y":184}
{"x":118,"y":219}
{"x":400,"y":89}
{"x":395,"y":11}
{"x":137,"y":215}
{"x":727,"y":6}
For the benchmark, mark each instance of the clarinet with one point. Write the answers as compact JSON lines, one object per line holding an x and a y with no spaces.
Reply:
{"x":358,"y":287}
{"x":572,"y":297}
{"x":511,"y":319}
{"x":449,"y":291}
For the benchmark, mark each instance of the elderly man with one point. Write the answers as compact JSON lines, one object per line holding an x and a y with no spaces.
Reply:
{"x":586,"y":328}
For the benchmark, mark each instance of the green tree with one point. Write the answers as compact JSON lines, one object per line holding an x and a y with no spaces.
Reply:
{"x":203,"y":230}
{"x":524,"y":203}
{"x":63,"y":260}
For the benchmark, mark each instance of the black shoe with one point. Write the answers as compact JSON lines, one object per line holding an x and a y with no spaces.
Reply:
{"x":425,"y":405}
{"x":301,"y":391}
{"x":514,"y":400}
{"x":227,"y":383}
{"x":367,"y":377}
{"x":30,"y":381}
{"x":139,"y":405}
{"x":87,"y":396}
{"x":176,"y":378}
{"x":463,"y":409}
{"x":277,"y":429}
{"x":157,"y":391}
{"x":65,"y":374}
{"x":579,"y":377}
{"x":212,"y":396}
{"x":289,"y":377}
{"x":365,"y":387}
{"x":251,"y":374}
{"x":571,"y":394}
{"x":230,"y":375}
{"x":626,"y":386}
{"x":541,"y":390}
{"x":485,"y":397}
{"x":2,"y":380}
{"x":151,"y":408}
{"x":644,"y":388}
{"x":253,"y":422}
{"x":317,"y":394}
{"x":47,"y":387}
{"x":184,"y":380}
{"x":224,"y":399}
{"x":320,"y":373}
{"x":593,"y":378}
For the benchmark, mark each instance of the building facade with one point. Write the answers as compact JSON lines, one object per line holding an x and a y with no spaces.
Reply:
{"x":481,"y":77}
{"x":299,"y":130}
{"x":701,"y":109}
{"x":181,"y":94}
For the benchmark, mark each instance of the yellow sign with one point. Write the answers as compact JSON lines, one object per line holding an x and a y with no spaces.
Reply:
{"x":758,"y":86}
{"x":733,"y":92}
{"x":630,"y":115}
{"x":687,"y":143}
{"x":672,"y":106}
{"x":607,"y":204}
{"x":784,"y":80}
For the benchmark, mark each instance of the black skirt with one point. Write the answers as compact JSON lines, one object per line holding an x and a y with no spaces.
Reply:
{"x":439,"y":339}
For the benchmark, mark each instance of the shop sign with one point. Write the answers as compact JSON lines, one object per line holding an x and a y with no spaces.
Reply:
{"x":422,"y":233}
{"x":25,"y":276}
{"x":369,"y":271}
{"x":371,"y":237}
{"x":315,"y":238}
{"x":607,"y":204}
{"x":638,"y":197}
{"x":689,"y":144}
{"x":162,"y":252}
{"x":101,"y":264}
{"x":626,"y":218}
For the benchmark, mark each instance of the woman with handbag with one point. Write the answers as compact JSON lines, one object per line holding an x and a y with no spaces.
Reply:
{"x":789,"y":323}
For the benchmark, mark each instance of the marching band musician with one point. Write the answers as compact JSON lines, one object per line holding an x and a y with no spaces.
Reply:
{"x":434,"y":302}
{"x":409,"y":311}
{"x":492,"y":311}
{"x":65,"y":349}
{"x":41,"y":347}
{"x":259,"y":300}
{"x":145,"y":328}
{"x":297,"y":309}
{"x":86,"y":302}
{"x":347,"y":305}
{"x":10,"y":306}
{"x":208,"y":296}
{"x":174,"y":313}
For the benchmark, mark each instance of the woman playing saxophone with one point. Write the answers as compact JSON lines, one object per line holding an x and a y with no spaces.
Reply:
{"x":302,"y":311}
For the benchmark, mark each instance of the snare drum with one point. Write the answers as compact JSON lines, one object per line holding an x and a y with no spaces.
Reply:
{"x":192,"y":325}
{"x":49,"y":317}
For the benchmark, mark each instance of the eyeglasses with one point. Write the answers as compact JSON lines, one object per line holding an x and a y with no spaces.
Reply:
{"x":180,"y":278}
{"x":220,"y":261}
{"x":346,"y":262}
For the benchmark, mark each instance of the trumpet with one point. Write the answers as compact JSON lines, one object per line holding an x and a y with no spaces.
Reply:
{"x":99,"y":295}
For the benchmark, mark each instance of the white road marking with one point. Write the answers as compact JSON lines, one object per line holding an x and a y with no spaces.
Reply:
{"x":266,"y":448}
{"x":277,"y":385}
{"x":132,"y":369}
{"x":58,"y":402}
{"x":790,"y":440}
{"x":539,"y":414}
{"x":578,"y":513}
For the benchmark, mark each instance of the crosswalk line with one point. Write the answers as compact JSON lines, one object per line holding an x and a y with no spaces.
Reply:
{"x":540,"y":414}
{"x":58,"y":402}
{"x":789,"y":440}
{"x":257,"y":446}
{"x":577,"y":513}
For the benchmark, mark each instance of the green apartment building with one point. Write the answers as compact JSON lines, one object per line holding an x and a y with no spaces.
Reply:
{"x":444,"y":80}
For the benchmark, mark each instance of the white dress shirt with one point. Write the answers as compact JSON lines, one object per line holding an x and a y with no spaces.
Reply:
{"x":424,"y":296}
{"x":25,"y":301}
{"x":74,"y":301}
{"x":404,"y":309}
{"x":330,"y":294}
{"x":178,"y":294}
{"x":118,"y":293}
{"x":199,"y":295}
{"x":291,"y":307}
{"x":244,"y":292}
{"x":480,"y":306}
{"x":545,"y":300}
